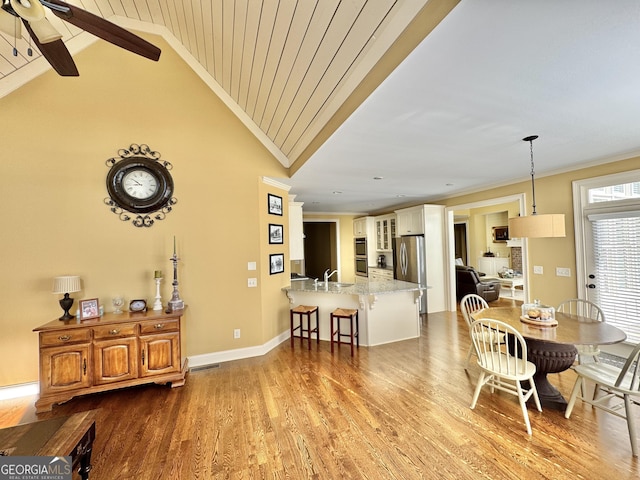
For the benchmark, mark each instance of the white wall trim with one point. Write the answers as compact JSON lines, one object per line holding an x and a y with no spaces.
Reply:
{"x":237,"y":354}
{"x":21,"y":390}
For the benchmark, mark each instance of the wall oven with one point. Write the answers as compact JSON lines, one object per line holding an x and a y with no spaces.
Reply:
{"x":360,"y":253}
{"x":361,"y":267}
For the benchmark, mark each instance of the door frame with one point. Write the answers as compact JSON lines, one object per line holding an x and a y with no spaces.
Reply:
{"x":450,"y":243}
{"x":580,"y":204}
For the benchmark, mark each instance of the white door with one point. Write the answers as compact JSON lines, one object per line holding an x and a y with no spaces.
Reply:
{"x":608,"y":264}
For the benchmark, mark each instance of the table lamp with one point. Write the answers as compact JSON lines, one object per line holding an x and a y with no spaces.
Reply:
{"x":66,"y":284}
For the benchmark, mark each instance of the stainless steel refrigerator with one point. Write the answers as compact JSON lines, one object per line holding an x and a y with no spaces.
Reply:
{"x":409,"y":263}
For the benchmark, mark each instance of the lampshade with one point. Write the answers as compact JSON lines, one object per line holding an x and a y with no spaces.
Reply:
{"x":537,"y":226}
{"x":66,"y":284}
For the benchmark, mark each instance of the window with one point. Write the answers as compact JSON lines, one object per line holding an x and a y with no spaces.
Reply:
{"x":616,"y":259}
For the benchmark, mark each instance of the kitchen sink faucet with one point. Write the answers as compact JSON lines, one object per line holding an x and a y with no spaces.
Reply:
{"x":327,"y":276}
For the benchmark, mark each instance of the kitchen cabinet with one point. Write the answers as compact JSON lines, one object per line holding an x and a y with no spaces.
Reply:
{"x":380,"y":274}
{"x":410,"y":221}
{"x":385,"y":232}
{"x":492,"y":265}
{"x":364,"y":227}
{"x":115,"y":351}
{"x":296,"y":230}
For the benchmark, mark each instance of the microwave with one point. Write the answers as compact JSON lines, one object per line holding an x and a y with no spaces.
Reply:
{"x":360,"y":247}
{"x":361,"y":267}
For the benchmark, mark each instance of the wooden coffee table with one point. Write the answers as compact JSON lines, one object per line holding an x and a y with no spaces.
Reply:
{"x":62,"y":436}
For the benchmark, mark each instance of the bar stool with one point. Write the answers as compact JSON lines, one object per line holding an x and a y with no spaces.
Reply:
{"x":346,"y":313}
{"x":305,"y":311}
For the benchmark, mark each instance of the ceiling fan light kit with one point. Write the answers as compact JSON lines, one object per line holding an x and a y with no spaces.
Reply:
{"x":49,"y":40}
{"x":534,"y":225}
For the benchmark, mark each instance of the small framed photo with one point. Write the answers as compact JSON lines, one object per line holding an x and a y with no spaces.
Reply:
{"x":276,"y":263}
{"x":276,"y":233}
{"x":275,"y":204}
{"x":89,"y":309}
{"x":500,"y":234}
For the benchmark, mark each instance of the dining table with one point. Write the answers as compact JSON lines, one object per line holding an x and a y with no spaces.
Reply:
{"x":552,"y":348}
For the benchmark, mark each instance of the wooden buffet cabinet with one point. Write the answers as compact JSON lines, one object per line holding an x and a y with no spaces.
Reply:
{"x":114,"y":351}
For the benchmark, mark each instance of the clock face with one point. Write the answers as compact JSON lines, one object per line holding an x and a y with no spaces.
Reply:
{"x":140,"y":185}
{"x":138,"y":305}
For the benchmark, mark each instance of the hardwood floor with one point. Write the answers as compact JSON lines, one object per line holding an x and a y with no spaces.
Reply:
{"x":392,"y":411}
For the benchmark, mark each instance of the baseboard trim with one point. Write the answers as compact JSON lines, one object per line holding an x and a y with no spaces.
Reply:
{"x":33,"y":388}
{"x":21,"y":390}
{"x":237,"y":354}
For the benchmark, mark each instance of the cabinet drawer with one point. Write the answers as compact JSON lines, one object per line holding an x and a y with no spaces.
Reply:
{"x":114,"y":331}
{"x":159,"y":326}
{"x":64,"y":337}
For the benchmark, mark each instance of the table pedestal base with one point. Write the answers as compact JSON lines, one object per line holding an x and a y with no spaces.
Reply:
{"x":550,"y":358}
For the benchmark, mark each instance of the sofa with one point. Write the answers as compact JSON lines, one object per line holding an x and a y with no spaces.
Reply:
{"x":468,"y":280}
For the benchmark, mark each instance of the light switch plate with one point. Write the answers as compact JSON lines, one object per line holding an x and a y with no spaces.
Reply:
{"x":538,"y":270}
{"x":251,"y":265}
{"x":563,"y":272}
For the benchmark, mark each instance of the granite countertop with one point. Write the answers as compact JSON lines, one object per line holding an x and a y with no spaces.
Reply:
{"x":364,"y":288}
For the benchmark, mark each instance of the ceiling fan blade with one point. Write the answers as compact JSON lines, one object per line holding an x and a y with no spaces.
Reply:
{"x":105,"y":30}
{"x":56,"y":54}
{"x":31,"y":11}
{"x":45,"y":32}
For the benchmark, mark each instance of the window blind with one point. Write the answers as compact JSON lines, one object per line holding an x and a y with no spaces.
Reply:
{"x":617,"y":270}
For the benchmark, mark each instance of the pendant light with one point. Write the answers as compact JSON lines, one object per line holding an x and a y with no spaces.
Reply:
{"x":535,"y":225}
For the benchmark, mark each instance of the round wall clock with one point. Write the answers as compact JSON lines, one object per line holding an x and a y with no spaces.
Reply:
{"x":139,"y":183}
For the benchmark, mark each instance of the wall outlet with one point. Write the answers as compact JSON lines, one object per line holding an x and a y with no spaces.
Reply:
{"x":538,"y":270}
{"x":236,"y":333}
{"x":252,"y":282}
{"x":563,"y":272}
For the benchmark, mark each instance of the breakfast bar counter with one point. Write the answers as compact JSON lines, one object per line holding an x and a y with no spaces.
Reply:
{"x":389,"y":311}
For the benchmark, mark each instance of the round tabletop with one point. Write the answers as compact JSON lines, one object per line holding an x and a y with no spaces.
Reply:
{"x":571,"y":329}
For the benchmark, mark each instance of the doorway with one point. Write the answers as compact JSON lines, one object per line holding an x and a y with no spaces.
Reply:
{"x":607,"y":220}
{"x":451,"y":220}
{"x":460,"y":242}
{"x":320,"y":248}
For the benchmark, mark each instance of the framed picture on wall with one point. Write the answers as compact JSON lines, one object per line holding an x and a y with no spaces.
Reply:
{"x":276,"y":233}
{"x":89,"y":309}
{"x":276,"y":263}
{"x":275,"y":204}
{"x":500,"y":234}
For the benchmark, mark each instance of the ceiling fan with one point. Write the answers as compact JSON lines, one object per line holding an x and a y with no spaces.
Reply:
{"x":49,"y":40}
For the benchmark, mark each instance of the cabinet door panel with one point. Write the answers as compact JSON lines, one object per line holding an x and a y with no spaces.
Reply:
{"x":160,"y":354}
{"x":115,"y":360}
{"x":65,"y":368}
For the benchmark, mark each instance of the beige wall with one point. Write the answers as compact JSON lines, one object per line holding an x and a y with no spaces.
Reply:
{"x":58,"y":133}
{"x":553,"y":195}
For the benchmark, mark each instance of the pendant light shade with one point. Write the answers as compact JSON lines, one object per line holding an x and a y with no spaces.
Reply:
{"x":537,"y":226}
{"x":534,"y":225}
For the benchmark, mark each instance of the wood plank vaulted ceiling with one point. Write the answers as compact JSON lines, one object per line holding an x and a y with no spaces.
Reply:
{"x":287,"y":65}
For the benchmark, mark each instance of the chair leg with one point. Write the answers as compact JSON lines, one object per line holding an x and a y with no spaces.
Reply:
{"x":467,"y":362}
{"x":574,"y":395}
{"x":631,"y":425}
{"x":523,"y":406}
{"x":476,"y":394}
